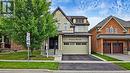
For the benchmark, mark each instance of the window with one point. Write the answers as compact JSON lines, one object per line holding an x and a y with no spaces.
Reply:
{"x":58,"y":25}
{"x":107,"y":29}
{"x":6,"y":7}
{"x":66,"y":43}
{"x":78,"y":43}
{"x":72,"y":43}
{"x":84,"y":43}
{"x":79,"y":20}
{"x":111,"y":30}
{"x":65,"y":26}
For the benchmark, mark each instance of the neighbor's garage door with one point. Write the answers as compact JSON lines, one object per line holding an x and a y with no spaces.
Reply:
{"x":106,"y":47}
{"x":75,"y":48}
{"x":117,"y":47}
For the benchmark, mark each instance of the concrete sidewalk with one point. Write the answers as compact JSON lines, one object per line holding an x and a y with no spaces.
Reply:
{"x":120,"y":56}
{"x":63,"y":61}
{"x":54,"y":71}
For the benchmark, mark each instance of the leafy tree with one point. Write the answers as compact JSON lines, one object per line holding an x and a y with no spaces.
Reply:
{"x":31,"y":16}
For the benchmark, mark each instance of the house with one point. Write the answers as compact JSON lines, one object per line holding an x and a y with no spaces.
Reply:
{"x":111,"y":36}
{"x":5,"y":10}
{"x":73,"y":36}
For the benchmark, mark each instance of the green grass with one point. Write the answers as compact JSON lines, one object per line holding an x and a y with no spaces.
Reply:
{"x":23,"y":56}
{"x":106,"y":57}
{"x":29,"y":65}
{"x":124,"y":65}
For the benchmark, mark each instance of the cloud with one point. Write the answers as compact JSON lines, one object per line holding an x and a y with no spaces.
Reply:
{"x":94,"y":21}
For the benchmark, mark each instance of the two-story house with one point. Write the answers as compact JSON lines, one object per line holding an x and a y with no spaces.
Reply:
{"x":112,"y":35}
{"x":73,"y":36}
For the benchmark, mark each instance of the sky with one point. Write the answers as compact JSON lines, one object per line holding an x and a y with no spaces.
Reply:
{"x":94,"y":10}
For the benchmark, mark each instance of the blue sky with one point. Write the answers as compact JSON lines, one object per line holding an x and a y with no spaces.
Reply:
{"x":94,"y":10}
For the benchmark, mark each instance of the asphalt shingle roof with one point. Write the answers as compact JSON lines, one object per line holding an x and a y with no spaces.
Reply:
{"x":122,"y":22}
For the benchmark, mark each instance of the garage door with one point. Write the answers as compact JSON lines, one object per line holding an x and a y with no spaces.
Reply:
{"x":117,"y":47}
{"x":106,"y":47}
{"x":75,"y":48}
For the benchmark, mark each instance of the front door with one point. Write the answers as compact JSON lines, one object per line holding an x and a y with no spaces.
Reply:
{"x":53,"y":43}
{"x":106,"y":47}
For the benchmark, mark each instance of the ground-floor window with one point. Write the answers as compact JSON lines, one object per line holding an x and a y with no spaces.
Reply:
{"x":66,"y":43}
{"x":78,"y":43}
{"x":75,"y":43}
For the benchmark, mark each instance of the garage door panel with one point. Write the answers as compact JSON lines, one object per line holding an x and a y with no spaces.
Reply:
{"x":75,"y":49}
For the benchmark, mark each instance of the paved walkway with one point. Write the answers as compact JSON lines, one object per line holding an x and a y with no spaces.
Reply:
{"x":89,"y":66}
{"x":120,"y":56}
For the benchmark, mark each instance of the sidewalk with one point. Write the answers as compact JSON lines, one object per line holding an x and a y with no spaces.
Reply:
{"x":63,"y":61}
{"x":54,"y":71}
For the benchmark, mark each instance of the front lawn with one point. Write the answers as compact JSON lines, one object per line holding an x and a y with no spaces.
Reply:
{"x":29,"y":65}
{"x":23,"y":56}
{"x":124,"y":65}
{"x":106,"y":57}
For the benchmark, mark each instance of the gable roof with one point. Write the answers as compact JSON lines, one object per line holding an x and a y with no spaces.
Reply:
{"x":125,"y":24}
{"x":58,"y":8}
{"x":122,"y":22}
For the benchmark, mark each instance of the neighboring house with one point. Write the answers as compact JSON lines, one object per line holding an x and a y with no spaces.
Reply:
{"x":112,"y":35}
{"x":6,"y":9}
{"x":73,"y":36}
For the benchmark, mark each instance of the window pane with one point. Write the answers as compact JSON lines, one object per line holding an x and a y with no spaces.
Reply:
{"x":4,"y":7}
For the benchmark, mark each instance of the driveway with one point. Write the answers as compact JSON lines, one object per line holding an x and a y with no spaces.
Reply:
{"x":89,"y":66}
{"x":120,"y":56}
{"x":79,"y":58}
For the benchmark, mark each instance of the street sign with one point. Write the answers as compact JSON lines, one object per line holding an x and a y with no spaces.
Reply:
{"x":28,"y":39}
{"x":28,"y":43}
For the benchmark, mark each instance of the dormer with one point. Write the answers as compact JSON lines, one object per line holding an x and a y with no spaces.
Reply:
{"x":78,"y":20}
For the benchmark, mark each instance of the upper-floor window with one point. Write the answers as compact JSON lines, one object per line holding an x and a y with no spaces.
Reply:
{"x":65,"y":26}
{"x":58,"y":25}
{"x":79,"y":21}
{"x":6,"y":7}
{"x":111,"y":30}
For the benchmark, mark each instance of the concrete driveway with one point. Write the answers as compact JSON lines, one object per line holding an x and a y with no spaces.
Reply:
{"x":120,"y":56}
{"x":79,"y":58}
{"x":90,"y":66}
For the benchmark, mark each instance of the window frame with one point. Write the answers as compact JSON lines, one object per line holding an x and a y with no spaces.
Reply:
{"x":7,"y":7}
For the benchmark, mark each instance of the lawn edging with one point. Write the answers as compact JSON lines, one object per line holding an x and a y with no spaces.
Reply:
{"x":105,"y":57}
{"x":99,"y":57}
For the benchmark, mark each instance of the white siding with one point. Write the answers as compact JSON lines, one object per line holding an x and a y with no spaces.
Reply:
{"x":62,"y":23}
{"x":81,"y":28}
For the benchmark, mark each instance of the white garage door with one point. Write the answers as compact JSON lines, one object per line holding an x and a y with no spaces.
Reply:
{"x":75,"y":48}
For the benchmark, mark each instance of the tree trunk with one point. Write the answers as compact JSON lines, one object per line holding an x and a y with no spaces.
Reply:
{"x":43,"y":48}
{"x":3,"y":42}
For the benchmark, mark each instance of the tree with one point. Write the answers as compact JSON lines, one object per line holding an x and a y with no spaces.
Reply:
{"x":31,"y":16}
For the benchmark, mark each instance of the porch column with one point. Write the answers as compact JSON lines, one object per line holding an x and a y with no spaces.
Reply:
{"x":60,"y":42}
{"x":125,"y":47}
{"x":101,"y":46}
{"x":111,"y":47}
{"x":89,"y":44}
{"x":60,"y":45}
